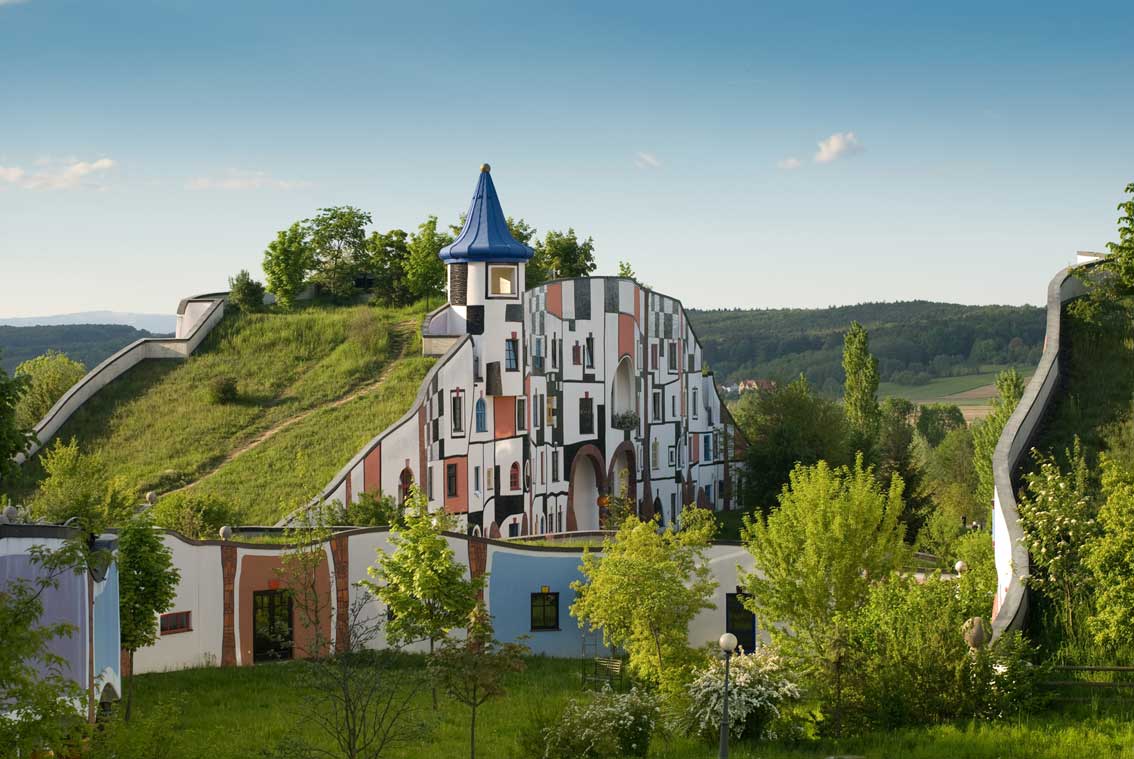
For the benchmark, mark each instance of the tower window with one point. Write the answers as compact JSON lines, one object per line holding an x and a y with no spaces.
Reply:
{"x":502,"y":281}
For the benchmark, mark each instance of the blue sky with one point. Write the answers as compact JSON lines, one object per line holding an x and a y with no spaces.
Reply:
{"x":748,"y":154}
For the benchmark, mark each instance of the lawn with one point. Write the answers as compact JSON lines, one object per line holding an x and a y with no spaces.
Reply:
{"x":158,"y":428}
{"x":942,"y":389}
{"x":237,"y":713}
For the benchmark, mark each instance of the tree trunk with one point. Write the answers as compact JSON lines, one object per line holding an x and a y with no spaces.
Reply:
{"x":472,"y":735}
{"x":129,"y":690}
{"x":434,"y":684}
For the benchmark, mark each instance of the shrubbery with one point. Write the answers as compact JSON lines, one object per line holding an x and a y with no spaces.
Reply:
{"x":758,"y":686}
{"x":607,"y":725}
{"x":223,"y":389}
{"x":194,"y":516}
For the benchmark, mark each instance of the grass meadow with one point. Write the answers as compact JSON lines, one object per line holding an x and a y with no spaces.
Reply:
{"x":244,"y":712}
{"x":157,"y":427}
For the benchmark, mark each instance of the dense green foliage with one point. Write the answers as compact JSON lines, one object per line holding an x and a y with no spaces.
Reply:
{"x":14,"y":438}
{"x":914,"y":341}
{"x":245,"y":293}
{"x":47,"y":377}
{"x":77,"y":486}
{"x":89,"y":344}
{"x":644,"y":590}
{"x":860,"y":388}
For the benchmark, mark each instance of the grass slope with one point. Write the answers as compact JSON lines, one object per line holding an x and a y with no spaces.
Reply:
{"x":157,"y":427}
{"x":243,"y":712}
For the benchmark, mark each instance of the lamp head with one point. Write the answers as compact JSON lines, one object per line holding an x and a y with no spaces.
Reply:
{"x":727,"y":643}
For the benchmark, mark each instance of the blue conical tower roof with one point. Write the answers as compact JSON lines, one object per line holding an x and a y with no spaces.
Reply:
{"x":485,"y":236}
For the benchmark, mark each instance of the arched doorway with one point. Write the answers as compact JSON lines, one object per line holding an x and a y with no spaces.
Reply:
{"x":623,"y":470}
{"x":584,"y":488}
{"x":624,"y":397}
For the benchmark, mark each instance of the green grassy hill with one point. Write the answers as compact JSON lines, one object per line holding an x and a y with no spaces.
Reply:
{"x":313,"y":386}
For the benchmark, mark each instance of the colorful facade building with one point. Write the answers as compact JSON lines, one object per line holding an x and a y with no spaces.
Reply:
{"x":545,"y":402}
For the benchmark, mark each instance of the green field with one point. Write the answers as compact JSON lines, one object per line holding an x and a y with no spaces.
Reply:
{"x":240,"y":713}
{"x":967,"y":390}
{"x":313,"y":385}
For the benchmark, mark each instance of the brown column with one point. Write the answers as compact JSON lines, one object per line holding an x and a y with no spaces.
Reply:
{"x":478,"y":559}
{"x":340,"y":554}
{"x":228,"y":635}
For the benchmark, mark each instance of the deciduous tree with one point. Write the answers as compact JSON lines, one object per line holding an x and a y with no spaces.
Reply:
{"x":147,"y":585}
{"x":46,"y":378}
{"x":245,"y":293}
{"x":389,"y":260}
{"x":14,"y":437}
{"x":337,"y":237}
{"x":563,"y":254}
{"x":78,"y":486}
{"x":986,"y":432}
{"x":860,"y":388}
{"x":287,"y":262}
{"x":425,"y":272}
{"x":644,"y":590}
{"x":935,"y":420}
{"x":427,"y":592}
{"x":472,"y":671}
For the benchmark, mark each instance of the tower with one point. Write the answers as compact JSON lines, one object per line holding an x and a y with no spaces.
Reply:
{"x":486,"y":288}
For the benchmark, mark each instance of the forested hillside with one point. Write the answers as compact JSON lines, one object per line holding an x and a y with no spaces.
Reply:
{"x":88,"y":343}
{"x":915,"y":341}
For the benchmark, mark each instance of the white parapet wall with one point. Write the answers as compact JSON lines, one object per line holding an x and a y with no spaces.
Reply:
{"x":196,"y":317}
{"x":1012,"y":562}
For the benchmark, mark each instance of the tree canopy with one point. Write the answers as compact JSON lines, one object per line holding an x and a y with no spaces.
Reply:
{"x":47,"y":378}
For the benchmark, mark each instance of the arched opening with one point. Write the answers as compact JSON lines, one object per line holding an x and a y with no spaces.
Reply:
{"x":405,"y":482}
{"x":481,"y":417}
{"x":622,"y":473}
{"x":625,"y":398}
{"x":584,"y":488}
{"x":514,"y":476}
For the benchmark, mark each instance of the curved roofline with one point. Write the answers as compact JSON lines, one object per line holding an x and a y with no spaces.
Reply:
{"x":485,"y":236}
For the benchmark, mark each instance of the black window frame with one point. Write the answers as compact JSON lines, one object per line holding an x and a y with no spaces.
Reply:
{"x":512,"y":355}
{"x":587,"y":413}
{"x":451,"y":481}
{"x":521,"y":413}
{"x":545,"y":612}
{"x":457,"y":407}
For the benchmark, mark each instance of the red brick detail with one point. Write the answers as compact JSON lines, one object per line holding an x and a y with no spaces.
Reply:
{"x":504,"y":416}
{"x":555,"y":300}
{"x":372,"y":470}
{"x":478,"y":559}
{"x":348,"y":500}
{"x":340,"y":554}
{"x":626,"y":335}
{"x":459,"y":503}
{"x":228,"y":631}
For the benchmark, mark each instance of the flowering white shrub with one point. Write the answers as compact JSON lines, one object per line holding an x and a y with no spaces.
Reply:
{"x":608,"y":725}
{"x":758,"y":686}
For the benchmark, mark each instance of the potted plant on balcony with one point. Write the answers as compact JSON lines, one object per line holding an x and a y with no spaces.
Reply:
{"x":624,"y":420}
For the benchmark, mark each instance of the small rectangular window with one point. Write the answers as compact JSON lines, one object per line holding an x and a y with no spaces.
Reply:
{"x":521,"y":414}
{"x":429,"y":482}
{"x":476,"y":479}
{"x":451,"y":480}
{"x":458,"y":413}
{"x":545,"y":611}
{"x":590,"y":352}
{"x":654,"y":356}
{"x":576,"y":354}
{"x":708,"y":447}
{"x":672,"y":457}
{"x":694,"y":403}
{"x":176,"y":622}
{"x":673,"y":357}
{"x":586,"y":416}
{"x":542,"y":467}
{"x":511,"y":359}
{"x":658,"y":405}
{"x":489,"y":479}
{"x":555,"y":466}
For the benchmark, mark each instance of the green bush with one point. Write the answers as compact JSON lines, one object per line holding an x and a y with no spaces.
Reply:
{"x":1001,"y":680}
{"x":195,"y":516}
{"x":373,"y":510}
{"x":245,"y":293}
{"x":607,"y":725}
{"x":223,"y":390}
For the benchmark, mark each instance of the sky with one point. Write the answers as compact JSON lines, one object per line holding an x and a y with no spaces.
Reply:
{"x":737,"y":155}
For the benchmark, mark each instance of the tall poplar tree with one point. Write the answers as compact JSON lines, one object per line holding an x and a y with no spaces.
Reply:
{"x":860,"y":388}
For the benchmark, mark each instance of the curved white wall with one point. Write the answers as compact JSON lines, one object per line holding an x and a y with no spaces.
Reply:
{"x":1012,"y":563}
{"x":196,"y":317}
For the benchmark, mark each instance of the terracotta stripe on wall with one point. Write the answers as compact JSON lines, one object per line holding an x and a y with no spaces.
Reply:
{"x":228,"y":633}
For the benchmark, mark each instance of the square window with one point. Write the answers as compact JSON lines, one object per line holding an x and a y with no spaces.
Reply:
{"x":545,"y":611}
{"x":502,"y":281}
{"x":176,"y":622}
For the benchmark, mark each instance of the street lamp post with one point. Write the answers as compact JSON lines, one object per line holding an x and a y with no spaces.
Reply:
{"x":727,"y":643}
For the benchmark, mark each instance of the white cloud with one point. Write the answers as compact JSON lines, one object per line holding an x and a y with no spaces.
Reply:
{"x":836,"y":146}
{"x":54,"y":175}
{"x":237,"y":179}
{"x":788,"y":164}
{"x":646,"y":161}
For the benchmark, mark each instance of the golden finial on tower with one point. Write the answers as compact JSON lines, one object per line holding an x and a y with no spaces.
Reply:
{"x":484,"y":167}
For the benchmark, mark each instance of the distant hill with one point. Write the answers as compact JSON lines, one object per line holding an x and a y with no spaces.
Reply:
{"x":161,"y":324}
{"x":915,"y":341}
{"x":89,"y":343}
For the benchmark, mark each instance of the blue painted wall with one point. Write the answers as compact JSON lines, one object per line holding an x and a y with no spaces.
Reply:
{"x":106,"y":625}
{"x":512,"y":579}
